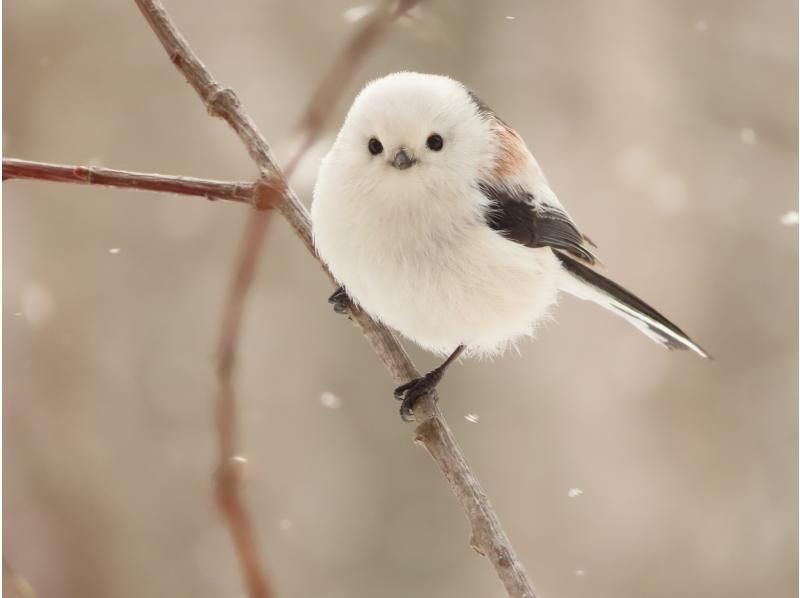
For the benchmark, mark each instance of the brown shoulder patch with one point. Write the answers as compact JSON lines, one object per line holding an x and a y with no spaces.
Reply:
{"x":511,"y":156}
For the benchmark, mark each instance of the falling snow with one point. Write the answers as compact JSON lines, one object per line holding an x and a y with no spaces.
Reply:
{"x":114,"y":250}
{"x":330,"y":400}
{"x":790,"y":218}
{"x":574,"y":492}
{"x":472,"y":418}
{"x":580,"y":572}
{"x":510,"y":18}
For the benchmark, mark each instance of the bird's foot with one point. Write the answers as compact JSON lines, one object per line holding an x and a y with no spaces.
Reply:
{"x":410,"y":392}
{"x":340,"y":301}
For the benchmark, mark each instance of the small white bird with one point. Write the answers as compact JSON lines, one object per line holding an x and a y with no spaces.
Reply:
{"x":435,"y":218}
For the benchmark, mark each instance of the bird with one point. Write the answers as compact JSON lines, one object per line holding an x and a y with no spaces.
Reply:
{"x":433,"y":216}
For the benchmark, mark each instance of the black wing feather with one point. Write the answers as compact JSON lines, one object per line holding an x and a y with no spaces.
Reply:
{"x":515,"y":214}
{"x":633,"y":309}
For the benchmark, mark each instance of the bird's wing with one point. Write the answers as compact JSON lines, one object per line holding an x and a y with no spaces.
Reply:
{"x":518,"y":217}
{"x":517,"y":210}
{"x":515,"y":213}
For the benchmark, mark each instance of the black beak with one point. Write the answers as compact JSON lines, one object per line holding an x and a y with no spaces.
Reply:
{"x":401,"y":161}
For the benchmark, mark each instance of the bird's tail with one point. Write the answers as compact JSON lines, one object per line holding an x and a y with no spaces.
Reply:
{"x":583,"y":282}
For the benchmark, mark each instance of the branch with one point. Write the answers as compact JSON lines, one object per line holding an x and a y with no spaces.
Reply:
{"x":106,"y":177}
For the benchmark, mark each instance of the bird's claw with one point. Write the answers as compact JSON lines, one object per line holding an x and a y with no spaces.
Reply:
{"x":410,"y":392}
{"x":340,"y":301}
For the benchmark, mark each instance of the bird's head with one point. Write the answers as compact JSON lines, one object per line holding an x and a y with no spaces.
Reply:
{"x":411,"y":133}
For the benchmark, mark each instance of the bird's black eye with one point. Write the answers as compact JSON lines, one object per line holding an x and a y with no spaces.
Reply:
{"x":375,"y":147}
{"x":435,"y":142}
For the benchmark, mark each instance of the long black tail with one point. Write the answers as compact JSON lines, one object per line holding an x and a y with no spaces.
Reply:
{"x":585,"y":283}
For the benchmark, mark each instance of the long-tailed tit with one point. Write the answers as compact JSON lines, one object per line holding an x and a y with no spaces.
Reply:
{"x":436,"y":220}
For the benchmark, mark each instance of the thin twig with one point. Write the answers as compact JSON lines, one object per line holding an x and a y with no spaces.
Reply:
{"x":106,"y":177}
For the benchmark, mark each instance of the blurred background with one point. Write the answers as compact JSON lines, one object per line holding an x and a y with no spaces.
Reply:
{"x":618,"y":469}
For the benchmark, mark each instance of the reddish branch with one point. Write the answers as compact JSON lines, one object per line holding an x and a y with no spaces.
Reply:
{"x":106,"y":177}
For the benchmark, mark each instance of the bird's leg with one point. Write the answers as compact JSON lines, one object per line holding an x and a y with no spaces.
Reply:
{"x":340,"y":301}
{"x":409,"y":392}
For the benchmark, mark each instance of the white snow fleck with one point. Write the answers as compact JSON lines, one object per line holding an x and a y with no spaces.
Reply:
{"x":239,"y":459}
{"x":790,"y":218}
{"x":356,"y":13}
{"x":285,"y":524}
{"x":700,"y":26}
{"x":574,"y":492}
{"x":114,"y":250}
{"x":747,"y":135}
{"x":510,"y":18}
{"x":37,"y":303}
{"x":17,"y":314}
{"x":580,"y":572}
{"x":330,"y":400}
{"x":472,"y":418}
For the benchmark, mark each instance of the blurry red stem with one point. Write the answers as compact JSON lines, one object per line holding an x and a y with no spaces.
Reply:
{"x":107,"y":177}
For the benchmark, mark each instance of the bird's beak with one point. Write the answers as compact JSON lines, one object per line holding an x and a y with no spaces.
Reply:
{"x":401,"y":160}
